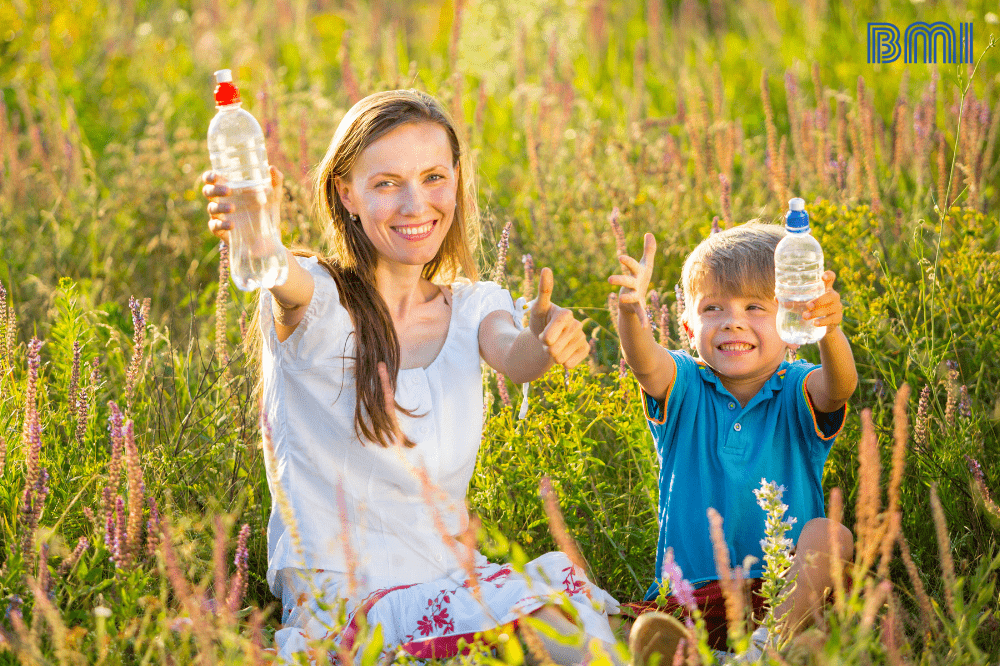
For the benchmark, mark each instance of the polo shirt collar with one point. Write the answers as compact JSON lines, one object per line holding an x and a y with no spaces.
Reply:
{"x":770,"y":387}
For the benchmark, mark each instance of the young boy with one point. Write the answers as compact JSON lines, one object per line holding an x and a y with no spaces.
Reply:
{"x":736,"y":414}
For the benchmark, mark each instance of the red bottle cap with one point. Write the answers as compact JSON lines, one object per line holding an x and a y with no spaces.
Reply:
{"x":225,"y":92}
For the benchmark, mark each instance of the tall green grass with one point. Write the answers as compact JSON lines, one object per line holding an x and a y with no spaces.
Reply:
{"x":680,"y":116}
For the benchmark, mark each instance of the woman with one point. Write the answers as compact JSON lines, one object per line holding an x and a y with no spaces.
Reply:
{"x":372,"y":393}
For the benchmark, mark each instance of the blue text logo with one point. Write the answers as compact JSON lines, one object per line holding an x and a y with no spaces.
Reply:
{"x":920,"y":41}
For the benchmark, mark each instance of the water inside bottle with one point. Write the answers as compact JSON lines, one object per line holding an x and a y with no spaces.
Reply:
{"x":256,"y":255}
{"x":792,"y":328}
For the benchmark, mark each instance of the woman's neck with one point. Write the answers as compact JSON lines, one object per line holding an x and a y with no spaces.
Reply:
{"x":403,"y":288}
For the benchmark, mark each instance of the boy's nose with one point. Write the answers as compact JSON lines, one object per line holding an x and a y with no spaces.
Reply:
{"x":735,"y":320}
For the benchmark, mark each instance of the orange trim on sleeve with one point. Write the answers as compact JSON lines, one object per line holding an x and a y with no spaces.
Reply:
{"x":812,"y":410}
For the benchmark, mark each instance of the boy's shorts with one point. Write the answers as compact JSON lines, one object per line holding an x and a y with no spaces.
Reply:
{"x":712,"y":604}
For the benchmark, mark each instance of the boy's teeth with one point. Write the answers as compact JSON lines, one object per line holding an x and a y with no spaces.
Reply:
{"x":736,"y":346}
{"x":415,"y":231}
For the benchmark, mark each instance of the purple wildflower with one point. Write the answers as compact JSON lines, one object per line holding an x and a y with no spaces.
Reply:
{"x":138,"y":336}
{"x":152,"y":527}
{"x":238,"y":586}
{"x":920,"y":423}
{"x":497,"y":275}
{"x":528,"y":285}
{"x":964,"y":404}
{"x":502,"y":388}
{"x":616,"y":229}
{"x":74,"y":557}
{"x":74,"y":380}
{"x":679,"y":586}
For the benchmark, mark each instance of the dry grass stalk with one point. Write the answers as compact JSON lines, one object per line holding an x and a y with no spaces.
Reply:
{"x":942,"y":175}
{"x":136,"y":492}
{"x":875,"y":598}
{"x":731,"y":585}
{"x":944,"y":551}
{"x":348,"y":79}
{"x":821,"y":154}
{"x":221,"y":301}
{"x":868,"y":143}
{"x":835,"y":514}
{"x":901,"y":428}
{"x":923,"y":601}
{"x":869,"y":524}
{"x":776,"y":175}
{"x":277,"y":490}
{"x":557,"y":525}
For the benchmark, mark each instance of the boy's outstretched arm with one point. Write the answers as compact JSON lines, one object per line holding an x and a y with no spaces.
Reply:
{"x":831,"y":385}
{"x":651,"y":364}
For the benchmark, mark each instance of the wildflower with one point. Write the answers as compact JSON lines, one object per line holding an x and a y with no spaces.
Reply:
{"x":529,"y":275}
{"x":727,"y":206}
{"x":136,"y":491}
{"x":497,"y":275}
{"x":613,"y":309}
{"x":138,"y":336}
{"x":67,"y":564}
{"x":152,"y":527}
{"x":221,"y":300}
{"x":920,"y":423}
{"x":502,"y":388}
{"x":114,"y":469}
{"x":715,"y":225}
{"x":238,"y":587}
{"x":964,"y":404}
{"x":776,"y":547}
{"x":679,"y":586}
{"x":616,"y":229}
{"x":951,"y":386}
{"x":74,"y":380}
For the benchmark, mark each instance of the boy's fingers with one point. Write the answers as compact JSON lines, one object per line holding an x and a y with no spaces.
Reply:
{"x":648,"y":248}
{"x":630,"y":264}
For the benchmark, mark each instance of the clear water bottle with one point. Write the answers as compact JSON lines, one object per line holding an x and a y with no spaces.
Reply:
{"x":798,"y":277}
{"x":236,"y":147}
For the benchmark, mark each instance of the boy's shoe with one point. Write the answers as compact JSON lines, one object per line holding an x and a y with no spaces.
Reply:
{"x":655,"y":633}
{"x":759,"y":640}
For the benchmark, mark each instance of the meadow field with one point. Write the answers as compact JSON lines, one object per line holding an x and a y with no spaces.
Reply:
{"x":133,"y":500}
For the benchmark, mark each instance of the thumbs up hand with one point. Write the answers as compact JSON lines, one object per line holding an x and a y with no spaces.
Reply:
{"x":556,"y":327}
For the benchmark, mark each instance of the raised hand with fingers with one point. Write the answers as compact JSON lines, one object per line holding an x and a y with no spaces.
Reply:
{"x":219,"y":207}
{"x":634,"y":280}
{"x":556,"y":327}
{"x":826,"y":310}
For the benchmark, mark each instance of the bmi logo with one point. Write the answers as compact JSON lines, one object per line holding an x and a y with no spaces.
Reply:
{"x":922,"y":38}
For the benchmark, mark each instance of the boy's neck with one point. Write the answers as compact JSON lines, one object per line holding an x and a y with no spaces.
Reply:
{"x":745,"y":389}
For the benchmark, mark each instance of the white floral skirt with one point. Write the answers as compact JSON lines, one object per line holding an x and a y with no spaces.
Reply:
{"x":433,"y":619}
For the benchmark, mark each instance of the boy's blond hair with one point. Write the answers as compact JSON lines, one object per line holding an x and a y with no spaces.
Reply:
{"x":737,"y":261}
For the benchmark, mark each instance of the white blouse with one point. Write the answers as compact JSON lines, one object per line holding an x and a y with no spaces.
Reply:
{"x":334,"y":482}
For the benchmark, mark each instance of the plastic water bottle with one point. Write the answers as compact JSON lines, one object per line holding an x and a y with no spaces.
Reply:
{"x":236,"y":147}
{"x":798,"y":271}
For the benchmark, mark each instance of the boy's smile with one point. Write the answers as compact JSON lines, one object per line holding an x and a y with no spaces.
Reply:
{"x":738,"y":338}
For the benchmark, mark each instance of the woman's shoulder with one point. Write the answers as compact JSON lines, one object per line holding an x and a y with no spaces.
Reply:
{"x":477,"y":299}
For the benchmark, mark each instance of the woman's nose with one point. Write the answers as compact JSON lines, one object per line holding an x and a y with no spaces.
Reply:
{"x":413,"y":202}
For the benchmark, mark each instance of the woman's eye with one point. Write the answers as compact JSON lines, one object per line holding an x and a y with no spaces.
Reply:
{"x":435,"y":177}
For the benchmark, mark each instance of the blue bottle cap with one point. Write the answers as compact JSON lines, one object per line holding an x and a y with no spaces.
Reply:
{"x":797,"y":219}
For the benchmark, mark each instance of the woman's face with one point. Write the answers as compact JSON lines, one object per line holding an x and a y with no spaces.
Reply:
{"x":404,"y":187}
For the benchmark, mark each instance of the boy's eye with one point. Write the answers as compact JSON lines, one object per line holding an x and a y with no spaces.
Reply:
{"x":383,"y":183}
{"x":435,"y":176}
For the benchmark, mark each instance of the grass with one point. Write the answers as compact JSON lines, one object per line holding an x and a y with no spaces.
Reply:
{"x":678,"y":116}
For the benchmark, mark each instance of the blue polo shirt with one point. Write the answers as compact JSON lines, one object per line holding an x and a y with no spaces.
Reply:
{"x":714,"y":453}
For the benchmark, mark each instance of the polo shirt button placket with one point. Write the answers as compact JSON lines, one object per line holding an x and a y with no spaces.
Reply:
{"x":737,"y":427}
{"x":732,"y":405}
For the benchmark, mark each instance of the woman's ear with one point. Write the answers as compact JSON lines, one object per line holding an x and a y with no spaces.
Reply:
{"x":345,"y":192}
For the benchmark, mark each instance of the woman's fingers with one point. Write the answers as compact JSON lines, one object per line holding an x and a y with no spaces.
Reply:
{"x":564,"y":339}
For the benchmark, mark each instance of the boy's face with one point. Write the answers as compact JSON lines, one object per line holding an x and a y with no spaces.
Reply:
{"x":736,"y":335}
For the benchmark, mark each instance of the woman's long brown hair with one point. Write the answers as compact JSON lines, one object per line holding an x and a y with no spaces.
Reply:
{"x":353,"y":257}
